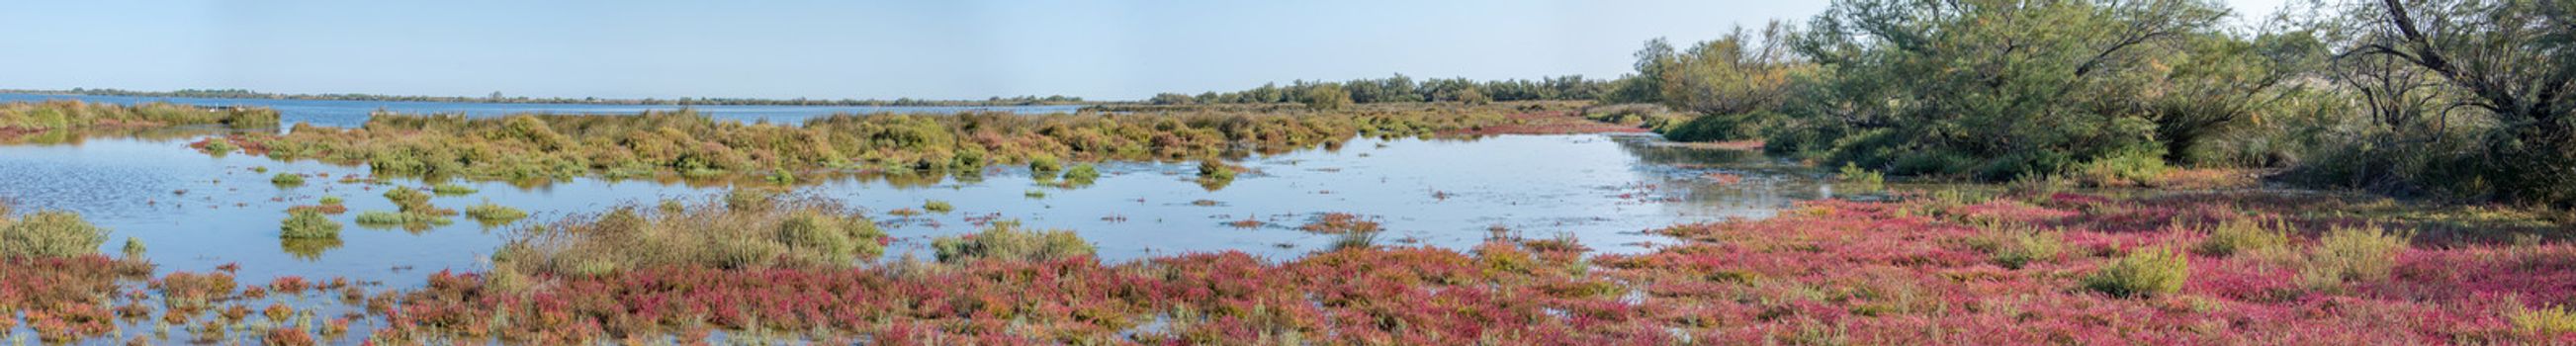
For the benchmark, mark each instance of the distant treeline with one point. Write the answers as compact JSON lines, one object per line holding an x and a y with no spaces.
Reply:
{"x":497,"y":97}
{"x":1400,"y":88}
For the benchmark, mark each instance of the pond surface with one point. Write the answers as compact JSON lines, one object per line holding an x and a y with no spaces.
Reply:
{"x":350,"y":114}
{"x":196,"y":212}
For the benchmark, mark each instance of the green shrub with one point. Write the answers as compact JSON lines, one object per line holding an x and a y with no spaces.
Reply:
{"x":1006,"y":241}
{"x":2350,"y":254}
{"x":287,"y":179}
{"x":937,"y":206}
{"x":2143,"y":272}
{"x":2133,"y":166}
{"x":133,"y":248}
{"x":1081,"y":174}
{"x":781,"y":177}
{"x":2018,"y":247}
{"x":833,"y":238}
{"x":1643,"y":115}
{"x":408,"y":199}
{"x":1720,"y":127}
{"x":50,"y":234}
{"x":2243,"y":235}
{"x":2553,"y":320}
{"x":308,"y":224}
{"x":380,"y":217}
{"x":494,"y":213}
{"x":451,"y":189}
{"x":1857,"y":179}
{"x":219,"y":147}
{"x":1212,"y":170}
{"x":1044,"y":166}
{"x":331,"y":200}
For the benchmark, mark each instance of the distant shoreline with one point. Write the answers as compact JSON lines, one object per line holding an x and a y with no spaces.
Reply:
{"x":247,"y":94}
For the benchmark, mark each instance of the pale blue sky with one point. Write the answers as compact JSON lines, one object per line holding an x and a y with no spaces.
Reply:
{"x":834,"y":49}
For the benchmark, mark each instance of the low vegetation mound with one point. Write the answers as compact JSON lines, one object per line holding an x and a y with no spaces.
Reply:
{"x":776,"y":232}
{"x":49,"y":233}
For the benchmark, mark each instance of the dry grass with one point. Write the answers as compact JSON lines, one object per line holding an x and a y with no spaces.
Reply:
{"x":1005,"y":240}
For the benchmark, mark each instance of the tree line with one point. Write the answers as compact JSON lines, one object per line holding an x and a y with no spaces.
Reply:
{"x":2467,"y":99}
{"x":1399,"y":88}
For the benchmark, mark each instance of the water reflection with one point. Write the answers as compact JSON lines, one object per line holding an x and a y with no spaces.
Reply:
{"x":199,"y":211}
{"x":309,"y":249}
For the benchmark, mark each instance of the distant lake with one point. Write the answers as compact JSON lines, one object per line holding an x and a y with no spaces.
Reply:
{"x":354,"y":113}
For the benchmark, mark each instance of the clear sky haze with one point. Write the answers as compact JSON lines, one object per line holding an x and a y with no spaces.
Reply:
{"x":1110,"y":50}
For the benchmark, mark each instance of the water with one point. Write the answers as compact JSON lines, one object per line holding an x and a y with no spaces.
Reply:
{"x":354,"y":113}
{"x":196,"y":212}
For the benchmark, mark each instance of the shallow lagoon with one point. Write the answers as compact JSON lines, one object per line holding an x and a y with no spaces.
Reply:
{"x":196,"y":212}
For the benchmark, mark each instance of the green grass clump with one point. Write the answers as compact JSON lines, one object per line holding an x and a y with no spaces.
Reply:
{"x":2138,"y":167}
{"x":494,"y":213}
{"x":50,"y":234}
{"x":830,"y":237}
{"x":1034,"y":194}
{"x":133,"y":248}
{"x":2242,"y":236}
{"x":1044,"y":167}
{"x":287,"y":179}
{"x":1859,"y":179}
{"x":781,"y":233}
{"x":408,"y":199}
{"x":331,"y":200}
{"x":2350,"y":254}
{"x":308,"y":224}
{"x":219,"y":147}
{"x":451,"y":189}
{"x":1006,"y":241}
{"x":380,"y":217}
{"x":2143,"y":272}
{"x":2555,"y":320}
{"x":937,"y":206}
{"x":2017,"y":247}
{"x":1081,"y":174}
{"x":1212,"y":170}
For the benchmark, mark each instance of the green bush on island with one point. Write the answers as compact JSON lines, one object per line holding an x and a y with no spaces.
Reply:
{"x":49,"y":233}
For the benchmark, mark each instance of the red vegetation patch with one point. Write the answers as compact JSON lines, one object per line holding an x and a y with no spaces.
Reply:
{"x":64,"y":299}
{"x":1379,"y":296}
{"x":1339,"y":223}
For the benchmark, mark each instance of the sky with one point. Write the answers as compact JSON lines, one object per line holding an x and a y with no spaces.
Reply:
{"x":1102,"y":50}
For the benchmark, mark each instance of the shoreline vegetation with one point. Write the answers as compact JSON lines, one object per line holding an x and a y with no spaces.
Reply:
{"x":28,"y":117}
{"x":689,"y":144}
